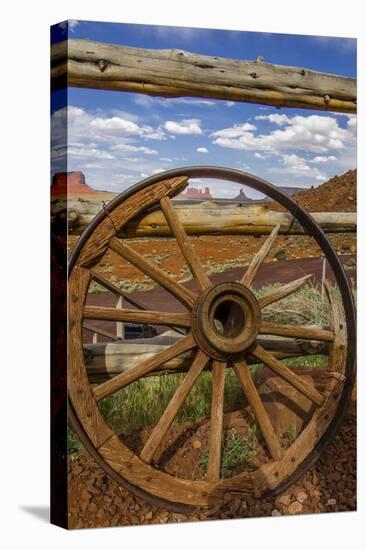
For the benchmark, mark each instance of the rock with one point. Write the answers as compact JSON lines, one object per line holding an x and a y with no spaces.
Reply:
{"x":235,"y":505}
{"x":301,"y":497}
{"x":276,"y":513}
{"x":70,"y":183}
{"x":197,"y":444}
{"x":295,"y":508}
{"x":149,"y":515}
{"x":92,"y":507}
{"x":331,"y":502}
{"x":285,"y":500}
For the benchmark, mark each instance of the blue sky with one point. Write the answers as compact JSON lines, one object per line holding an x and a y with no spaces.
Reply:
{"x":117,"y":138}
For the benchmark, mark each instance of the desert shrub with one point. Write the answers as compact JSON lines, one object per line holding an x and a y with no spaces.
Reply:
{"x":304,"y":307}
{"x":281,"y":254}
{"x":237,"y":451}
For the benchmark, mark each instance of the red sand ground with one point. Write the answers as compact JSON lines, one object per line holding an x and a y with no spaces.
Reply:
{"x":95,"y":500}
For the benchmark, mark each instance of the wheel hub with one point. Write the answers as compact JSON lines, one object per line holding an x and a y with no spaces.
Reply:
{"x":225,"y":320}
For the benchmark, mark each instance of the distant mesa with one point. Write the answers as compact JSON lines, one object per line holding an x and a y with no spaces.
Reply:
{"x":194,"y":193}
{"x":70,"y":183}
{"x":242,"y":197}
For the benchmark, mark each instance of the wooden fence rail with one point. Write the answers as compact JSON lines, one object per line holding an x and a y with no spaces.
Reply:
{"x":173,"y":73}
{"x":106,"y":360}
{"x":208,"y":218}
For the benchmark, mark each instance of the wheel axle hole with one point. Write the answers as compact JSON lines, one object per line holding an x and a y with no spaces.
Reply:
{"x":229,"y":319}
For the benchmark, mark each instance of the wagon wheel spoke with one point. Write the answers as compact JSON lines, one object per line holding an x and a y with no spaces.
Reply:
{"x":125,"y":295}
{"x":184,"y":244}
{"x":259,"y":258}
{"x":185,"y":296}
{"x":307,"y":333}
{"x":287,"y":374}
{"x":135,"y":316}
{"x":217,"y":417}
{"x":283,"y":291}
{"x":97,"y":330}
{"x":125,"y":378}
{"x":179,"y":397}
{"x":258,"y":409}
{"x":114,"y":289}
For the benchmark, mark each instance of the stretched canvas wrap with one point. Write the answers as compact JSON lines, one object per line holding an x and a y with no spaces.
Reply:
{"x":203,"y":230}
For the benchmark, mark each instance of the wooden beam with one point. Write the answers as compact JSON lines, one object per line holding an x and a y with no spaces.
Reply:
{"x":137,"y":316}
{"x":106,"y":360}
{"x":152,"y":363}
{"x":174,"y":73}
{"x":207,"y":218}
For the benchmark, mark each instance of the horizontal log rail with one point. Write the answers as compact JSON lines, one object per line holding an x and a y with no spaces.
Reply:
{"x":206,"y":218}
{"x":174,"y":73}
{"x":106,"y":360}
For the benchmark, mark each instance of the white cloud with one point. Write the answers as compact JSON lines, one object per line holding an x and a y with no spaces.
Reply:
{"x":320,"y":159}
{"x":275,"y":118}
{"x":352,"y":124}
{"x":93,"y":165}
{"x":149,"y":102}
{"x":259,"y":156}
{"x":202,"y":150}
{"x":71,"y":24}
{"x":236,"y":131}
{"x":101,"y":127}
{"x":186,"y":127}
{"x":158,"y":170}
{"x":294,"y":162}
{"x":134,"y":149}
{"x":314,"y":133}
{"x":121,"y":126}
{"x":87,"y":152}
{"x":229,"y":103}
{"x":188,"y":101}
{"x":297,"y":166}
{"x":103,"y":145}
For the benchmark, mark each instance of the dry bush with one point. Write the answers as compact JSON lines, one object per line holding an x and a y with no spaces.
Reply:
{"x":304,"y":307}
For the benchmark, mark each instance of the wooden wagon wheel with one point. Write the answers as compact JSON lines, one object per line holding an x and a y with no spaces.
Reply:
{"x":222,"y":323}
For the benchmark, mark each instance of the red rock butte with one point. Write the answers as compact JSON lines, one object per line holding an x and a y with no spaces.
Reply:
{"x":241,"y":197}
{"x":70,"y":183}
{"x":194,"y":193}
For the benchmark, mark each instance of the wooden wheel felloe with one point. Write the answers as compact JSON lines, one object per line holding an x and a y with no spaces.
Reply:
{"x":222,"y":325}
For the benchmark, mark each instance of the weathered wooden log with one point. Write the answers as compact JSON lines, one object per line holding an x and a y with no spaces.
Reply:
{"x":207,"y":218}
{"x":173,"y":73}
{"x":106,"y":360}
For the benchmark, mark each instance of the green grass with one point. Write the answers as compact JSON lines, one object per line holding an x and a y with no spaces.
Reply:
{"x":142,"y":403}
{"x":311,"y":361}
{"x":292,"y":432}
{"x":73,"y":443}
{"x":237,"y":451}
